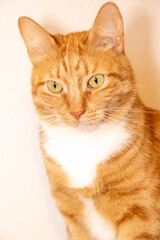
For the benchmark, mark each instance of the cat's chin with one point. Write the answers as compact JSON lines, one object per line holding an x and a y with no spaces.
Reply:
{"x":87,"y":127}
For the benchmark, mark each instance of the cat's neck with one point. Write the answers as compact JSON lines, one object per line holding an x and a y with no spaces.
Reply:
{"x":79,"y":151}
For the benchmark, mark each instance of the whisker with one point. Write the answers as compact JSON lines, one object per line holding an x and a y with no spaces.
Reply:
{"x":135,"y":122}
{"x":43,"y":138}
{"x":41,"y":129}
{"x":46,"y":116}
{"x":126,"y":109}
{"x":139,"y":135}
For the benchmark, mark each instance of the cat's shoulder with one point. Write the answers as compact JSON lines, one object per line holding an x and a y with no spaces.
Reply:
{"x":156,"y":125}
{"x":153,"y":116}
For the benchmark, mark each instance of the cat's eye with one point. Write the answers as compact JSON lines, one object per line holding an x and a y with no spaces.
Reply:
{"x":96,"y":81}
{"x":54,"y":87}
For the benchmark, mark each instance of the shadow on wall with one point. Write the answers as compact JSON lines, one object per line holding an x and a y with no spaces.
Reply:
{"x":140,"y":50}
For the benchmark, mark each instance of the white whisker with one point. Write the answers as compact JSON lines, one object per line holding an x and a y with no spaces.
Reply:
{"x":43,"y":138}
{"x":46,"y":116}
{"x":141,"y":124}
{"x":137,"y":134}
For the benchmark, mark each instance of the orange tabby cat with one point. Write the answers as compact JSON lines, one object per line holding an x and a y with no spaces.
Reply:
{"x":100,"y":144}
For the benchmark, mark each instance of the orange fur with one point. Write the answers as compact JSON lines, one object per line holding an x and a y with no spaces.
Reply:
{"x":126,"y":190}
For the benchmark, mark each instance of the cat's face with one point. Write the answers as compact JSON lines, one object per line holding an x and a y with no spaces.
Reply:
{"x":73,"y":71}
{"x":79,"y":78}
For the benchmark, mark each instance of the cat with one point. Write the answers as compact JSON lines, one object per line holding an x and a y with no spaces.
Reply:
{"x":100,"y":143}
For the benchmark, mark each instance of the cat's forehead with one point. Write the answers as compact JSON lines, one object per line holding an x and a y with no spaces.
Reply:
{"x":74,"y":60}
{"x":73,"y":56}
{"x":73,"y":41}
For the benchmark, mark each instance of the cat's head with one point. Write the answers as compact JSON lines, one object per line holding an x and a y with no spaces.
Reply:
{"x":79,"y":78}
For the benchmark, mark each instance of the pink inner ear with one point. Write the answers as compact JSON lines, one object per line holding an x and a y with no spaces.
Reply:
{"x":105,"y":41}
{"x":38,"y":41}
{"x":107,"y":30}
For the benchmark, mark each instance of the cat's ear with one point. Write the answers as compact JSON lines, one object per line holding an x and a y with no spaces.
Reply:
{"x":107,"y":30}
{"x":38,"y":41}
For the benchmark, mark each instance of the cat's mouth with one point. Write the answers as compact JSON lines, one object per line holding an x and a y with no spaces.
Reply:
{"x":85,"y":124}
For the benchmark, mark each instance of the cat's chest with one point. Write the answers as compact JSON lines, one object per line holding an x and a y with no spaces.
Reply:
{"x":79,"y":152}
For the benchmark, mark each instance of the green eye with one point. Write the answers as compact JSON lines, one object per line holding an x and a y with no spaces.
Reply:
{"x":54,"y":87}
{"x":96,"y":81}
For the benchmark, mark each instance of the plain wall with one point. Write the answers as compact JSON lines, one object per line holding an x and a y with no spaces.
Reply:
{"x":27,"y":210}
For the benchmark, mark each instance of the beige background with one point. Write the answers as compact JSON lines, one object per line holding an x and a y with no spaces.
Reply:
{"x":27,"y":211}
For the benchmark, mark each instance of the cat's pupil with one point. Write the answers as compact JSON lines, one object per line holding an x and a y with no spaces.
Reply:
{"x":54,"y":84}
{"x":96,"y":80}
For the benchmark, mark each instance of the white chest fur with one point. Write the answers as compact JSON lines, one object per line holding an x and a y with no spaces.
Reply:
{"x":79,"y":152}
{"x":97,"y":226}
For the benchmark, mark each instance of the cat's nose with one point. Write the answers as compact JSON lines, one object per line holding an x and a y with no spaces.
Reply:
{"x":78,"y":114}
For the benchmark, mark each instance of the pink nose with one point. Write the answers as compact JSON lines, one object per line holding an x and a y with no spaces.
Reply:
{"x":77,"y":115}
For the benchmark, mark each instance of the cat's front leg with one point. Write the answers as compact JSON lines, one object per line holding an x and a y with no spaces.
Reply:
{"x":76,"y":231}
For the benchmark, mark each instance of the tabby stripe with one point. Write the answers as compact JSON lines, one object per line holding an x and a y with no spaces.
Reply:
{"x":115,"y":75}
{"x":146,"y":236}
{"x":135,"y":211}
